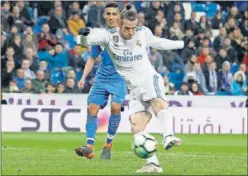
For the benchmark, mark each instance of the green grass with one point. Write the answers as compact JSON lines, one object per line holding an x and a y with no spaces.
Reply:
{"x":53,"y":154}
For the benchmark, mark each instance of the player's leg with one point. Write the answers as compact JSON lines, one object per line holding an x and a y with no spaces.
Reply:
{"x":160,"y":108}
{"x":97,"y":98}
{"x":118,"y":90}
{"x":114,"y":121}
{"x":139,"y":122}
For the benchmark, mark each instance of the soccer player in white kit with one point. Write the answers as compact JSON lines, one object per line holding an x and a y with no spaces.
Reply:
{"x":127,"y":47}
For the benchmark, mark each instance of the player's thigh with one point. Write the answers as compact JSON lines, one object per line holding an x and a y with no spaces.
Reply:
{"x":153,"y":88}
{"x":98,"y":95}
{"x":117,"y":89}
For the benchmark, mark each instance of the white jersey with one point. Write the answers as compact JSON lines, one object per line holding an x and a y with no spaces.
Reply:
{"x":130,"y":57}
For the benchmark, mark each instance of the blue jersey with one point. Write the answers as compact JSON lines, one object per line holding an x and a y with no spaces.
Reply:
{"x":107,"y":69}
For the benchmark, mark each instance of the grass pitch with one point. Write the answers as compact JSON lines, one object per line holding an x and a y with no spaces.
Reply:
{"x":53,"y":154}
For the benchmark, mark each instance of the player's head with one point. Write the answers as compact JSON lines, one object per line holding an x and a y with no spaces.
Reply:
{"x":128,"y":22}
{"x":111,"y":14}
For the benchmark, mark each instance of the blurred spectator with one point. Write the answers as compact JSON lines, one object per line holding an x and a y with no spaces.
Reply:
{"x":44,"y":68}
{"x":150,"y":14}
{"x":39,"y":83}
{"x":95,"y":15}
{"x":217,"y":21}
{"x":71,"y":74}
{"x":88,"y":85}
{"x":3,"y":43}
{"x":219,"y":40}
{"x":230,"y":50}
{"x":86,"y":9}
{"x":195,"y":89}
{"x":33,"y":60}
{"x":178,"y":20}
{"x":226,"y":77}
{"x":141,"y":19}
{"x":12,"y":88}
{"x":75,"y":23}
{"x":49,"y":88}
{"x":57,"y":20}
{"x":75,"y":7}
{"x":168,"y":86}
{"x":170,"y":58}
{"x":28,"y":87}
{"x":28,"y":42}
{"x":188,"y":51}
{"x":57,"y":58}
{"x":205,"y":44}
{"x":230,"y":25}
{"x":76,"y":59}
{"x":176,"y":31}
{"x":18,"y":47}
{"x":24,"y":12}
{"x":184,"y":90}
{"x":19,"y":78}
{"x":7,"y":73}
{"x":203,"y":55}
{"x":60,"y":88}
{"x":239,"y":86}
{"x":9,"y":56}
{"x":156,"y":60}
{"x":212,"y":79}
{"x":221,"y":57}
{"x":204,"y":26}
{"x":235,"y":15}
{"x":244,"y":24}
{"x":28,"y":73}
{"x":191,"y":23}
{"x":237,"y":42}
{"x":59,"y":37}
{"x":70,"y":86}
{"x":243,"y":69}
{"x":174,"y":8}
{"x":46,"y":39}
{"x":5,"y":14}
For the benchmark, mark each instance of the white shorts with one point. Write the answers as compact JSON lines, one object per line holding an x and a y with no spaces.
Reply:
{"x":141,"y":94}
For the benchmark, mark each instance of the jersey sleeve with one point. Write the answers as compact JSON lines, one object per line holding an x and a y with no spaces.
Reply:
{"x":97,"y":36}
{"x":95,"y":51}
{"x":162,"y":43}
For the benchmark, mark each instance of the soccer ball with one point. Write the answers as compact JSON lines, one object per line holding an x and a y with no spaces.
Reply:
{"x":144,"y":145}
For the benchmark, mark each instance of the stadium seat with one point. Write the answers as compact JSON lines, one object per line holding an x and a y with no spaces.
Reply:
{"x":41,"y":55}
{"x":188,"y":9}
{"x":212,"y":9}
{"x":78,"y":75}
{"x":198,"y":7}
{"x":31,"y":12}
{"x":234,"y":68}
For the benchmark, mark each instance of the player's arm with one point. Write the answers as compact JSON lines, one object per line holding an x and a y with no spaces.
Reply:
{"x":95,"y":51}
{"x":162,"y":43}
{"x":95,"y":36}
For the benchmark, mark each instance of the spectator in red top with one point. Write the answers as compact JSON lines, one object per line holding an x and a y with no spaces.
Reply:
{"x":46,"y":39}
{"x":195,"y":89}
{"x":203,"y":55}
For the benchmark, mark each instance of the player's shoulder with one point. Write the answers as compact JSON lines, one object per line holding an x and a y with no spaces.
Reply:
{"x":112,"y":30}
{"x":141,"y":29}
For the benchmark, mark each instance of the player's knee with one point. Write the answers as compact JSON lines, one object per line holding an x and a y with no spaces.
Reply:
{"x":115,"y":108}
{"x":93,"y":109}
{"x":159,"y":104}
{"x":137,"y":124}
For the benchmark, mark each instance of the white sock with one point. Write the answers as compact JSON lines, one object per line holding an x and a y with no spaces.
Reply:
{"x":153,"y":159}
{"x":166,"y":122}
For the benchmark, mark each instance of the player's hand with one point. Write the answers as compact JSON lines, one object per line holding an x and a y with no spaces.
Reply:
{"x":81,"y":84}
{"x":84,"y":31}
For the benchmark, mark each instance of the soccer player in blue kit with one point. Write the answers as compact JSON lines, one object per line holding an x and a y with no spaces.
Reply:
{"x":106,"y":82}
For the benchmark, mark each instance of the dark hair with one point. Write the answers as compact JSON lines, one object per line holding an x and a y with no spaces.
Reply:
{"x":128,"y":13}
{"x":111,"y":5}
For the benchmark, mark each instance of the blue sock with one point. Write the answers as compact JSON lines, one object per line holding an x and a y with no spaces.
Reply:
{"x":114,"y":122}
{"x":91,"y":127}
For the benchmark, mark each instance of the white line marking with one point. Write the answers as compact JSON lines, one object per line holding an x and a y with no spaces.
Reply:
{"x":175,"y":154}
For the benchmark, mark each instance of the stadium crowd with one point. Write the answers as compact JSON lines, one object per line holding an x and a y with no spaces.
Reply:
{"x":39,"y":53}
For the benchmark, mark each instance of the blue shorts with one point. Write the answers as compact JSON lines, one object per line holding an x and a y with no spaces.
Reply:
{"x":101,"y":89}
